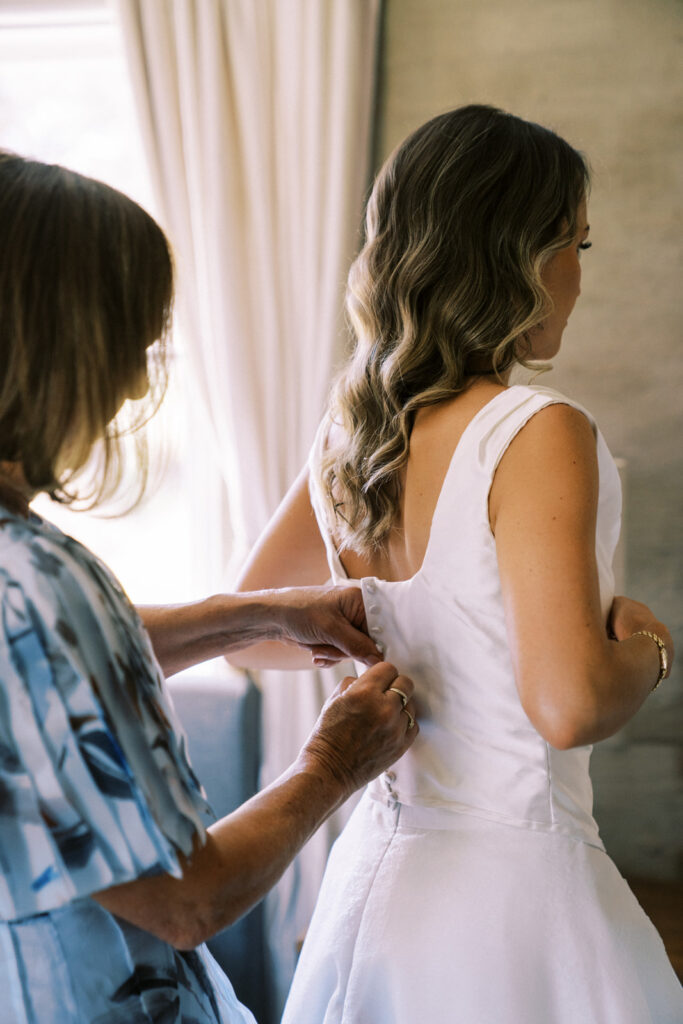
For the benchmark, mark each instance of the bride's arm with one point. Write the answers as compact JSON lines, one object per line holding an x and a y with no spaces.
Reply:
{"x":576,"y":684}
{"x":289,"y":553}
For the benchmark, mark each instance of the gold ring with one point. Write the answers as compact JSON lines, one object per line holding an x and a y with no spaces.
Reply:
{"x":394,"y":689}
{"x":411,"y":720}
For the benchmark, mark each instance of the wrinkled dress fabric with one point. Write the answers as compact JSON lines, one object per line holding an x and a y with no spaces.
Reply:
{"x":95,"y":789}
{"x":470,"y":885}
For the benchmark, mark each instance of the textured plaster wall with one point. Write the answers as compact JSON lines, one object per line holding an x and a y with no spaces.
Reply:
{"x":607,"y":75}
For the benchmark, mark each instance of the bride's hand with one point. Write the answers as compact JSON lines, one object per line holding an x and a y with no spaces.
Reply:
{"x":627,"y":617}
{"x":327,"y":621}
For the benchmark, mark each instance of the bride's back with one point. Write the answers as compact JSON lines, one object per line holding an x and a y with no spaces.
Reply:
{"x":435,"y":436}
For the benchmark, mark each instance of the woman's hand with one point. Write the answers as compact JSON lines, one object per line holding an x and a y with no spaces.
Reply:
{"x":363,"y":728}
{"x":627,"y":617}
{"x":328,"y":622}
{"x":325,"y":622}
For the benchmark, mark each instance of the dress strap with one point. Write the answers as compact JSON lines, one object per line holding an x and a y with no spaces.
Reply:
{"x":462,"y":507}
{"x":501,"y":424}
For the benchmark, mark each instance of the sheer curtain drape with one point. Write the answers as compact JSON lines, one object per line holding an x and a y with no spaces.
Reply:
{"x":256,"y":117}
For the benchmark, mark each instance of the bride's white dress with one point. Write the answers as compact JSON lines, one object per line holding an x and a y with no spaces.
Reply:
{"x":470,"y":884}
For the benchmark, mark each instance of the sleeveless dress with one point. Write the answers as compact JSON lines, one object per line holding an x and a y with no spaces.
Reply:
{"x":95,"y":789}
{"x":470,"y":885}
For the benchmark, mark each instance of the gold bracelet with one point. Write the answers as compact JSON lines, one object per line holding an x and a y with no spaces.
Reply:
{"x":663,"y":656}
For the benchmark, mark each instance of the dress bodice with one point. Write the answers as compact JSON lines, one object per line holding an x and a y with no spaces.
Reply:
{"x":477,"y":751}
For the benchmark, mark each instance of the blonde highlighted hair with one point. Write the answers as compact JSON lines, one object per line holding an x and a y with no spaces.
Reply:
{"x":460,"y":222}
{"x":86,"y":293}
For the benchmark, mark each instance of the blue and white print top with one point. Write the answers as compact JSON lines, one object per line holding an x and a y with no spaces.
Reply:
{"x":96,"y":789}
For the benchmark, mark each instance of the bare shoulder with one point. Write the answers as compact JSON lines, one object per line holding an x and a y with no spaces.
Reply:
{"x":552,"y":458}
{"x":555,"y":429}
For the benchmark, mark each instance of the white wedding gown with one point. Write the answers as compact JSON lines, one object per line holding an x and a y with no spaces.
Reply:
{"x":470,"y":884}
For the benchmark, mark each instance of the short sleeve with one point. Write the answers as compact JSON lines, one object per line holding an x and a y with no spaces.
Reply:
{"x":95,"y":786}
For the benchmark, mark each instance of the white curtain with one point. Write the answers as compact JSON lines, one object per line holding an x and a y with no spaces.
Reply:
{"x":256,"y":116}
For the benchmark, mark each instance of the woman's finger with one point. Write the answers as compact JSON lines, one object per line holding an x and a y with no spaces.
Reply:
{"x":402,"y":687}
{"x":326,"y":656}
{"x":353,"y":643}
{"x":326,"y":651}
{"x":410,"y":714}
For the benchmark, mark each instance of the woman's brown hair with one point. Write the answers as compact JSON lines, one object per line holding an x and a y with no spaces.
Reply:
{"x":460,"y":222}
{"x":86,"y":293}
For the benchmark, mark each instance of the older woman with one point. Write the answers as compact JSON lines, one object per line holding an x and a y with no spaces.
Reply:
{"x":110,"y":884}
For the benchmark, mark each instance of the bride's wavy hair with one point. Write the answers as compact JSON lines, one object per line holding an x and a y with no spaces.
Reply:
{"x":460,"y":222}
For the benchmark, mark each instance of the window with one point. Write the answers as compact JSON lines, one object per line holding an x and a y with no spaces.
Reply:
{"x":65,"y":97}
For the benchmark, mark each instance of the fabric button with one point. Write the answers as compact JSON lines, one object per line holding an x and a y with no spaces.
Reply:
{"x":374,"y":608}
{"x":390,"y":776}
{"x":371,"y":586}
{"x":378,"y":630}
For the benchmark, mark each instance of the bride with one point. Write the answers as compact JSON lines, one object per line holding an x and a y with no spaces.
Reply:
{"x":480,"y":517}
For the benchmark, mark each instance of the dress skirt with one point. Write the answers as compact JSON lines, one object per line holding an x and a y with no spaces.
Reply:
{"x":429,"y":915}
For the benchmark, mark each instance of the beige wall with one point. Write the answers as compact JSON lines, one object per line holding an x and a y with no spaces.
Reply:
{"x":606,"y":75}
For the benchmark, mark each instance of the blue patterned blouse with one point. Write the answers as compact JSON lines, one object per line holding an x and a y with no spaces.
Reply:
{"x":95,"y":789}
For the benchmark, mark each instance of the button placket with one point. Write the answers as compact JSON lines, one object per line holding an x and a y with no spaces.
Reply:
{"x":374,"y":608}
